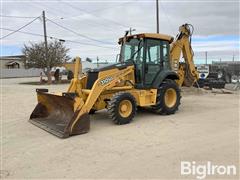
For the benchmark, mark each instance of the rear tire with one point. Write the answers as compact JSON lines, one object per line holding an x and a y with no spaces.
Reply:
{"x":122,"y":108}
{"x":168,"y":98}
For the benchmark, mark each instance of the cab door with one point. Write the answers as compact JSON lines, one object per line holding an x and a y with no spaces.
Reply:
{"x":156,"y":59}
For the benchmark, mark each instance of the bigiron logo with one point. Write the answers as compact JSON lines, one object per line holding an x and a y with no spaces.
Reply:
{"x":201,"y":171}
{"x":106,"y":80}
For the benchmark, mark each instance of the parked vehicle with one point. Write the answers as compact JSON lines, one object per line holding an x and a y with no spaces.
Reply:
{"x":210,"y":78}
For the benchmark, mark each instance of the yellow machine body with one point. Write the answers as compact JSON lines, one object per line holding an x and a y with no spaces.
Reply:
{"x":67,"y":113}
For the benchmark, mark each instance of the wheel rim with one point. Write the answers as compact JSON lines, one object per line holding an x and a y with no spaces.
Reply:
{"x":125,"y":108}
{"x":170,"y":97}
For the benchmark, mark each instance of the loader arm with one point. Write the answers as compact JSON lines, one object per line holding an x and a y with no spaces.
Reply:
{"x":67,"y":113}
{"x":103,"y":83}
{"x":187,"y":72}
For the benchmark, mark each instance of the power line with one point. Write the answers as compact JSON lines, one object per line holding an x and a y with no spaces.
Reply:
{"x":88,"y":44}
{"x":79,"y":9}
{"x":96,"y":10}
{"x":81,"y":35}
{"x":29,"y":33}
{"x":53,"y":12}
{"x":23,"y":32}
{"x":104,"y":25}
{"x":40,"y":6}
{"x":59,"y":39}
{"x":92,"y":24}
{"x":100,"y":9}
{"x":19,"y":28}
{"x":20,"y":17}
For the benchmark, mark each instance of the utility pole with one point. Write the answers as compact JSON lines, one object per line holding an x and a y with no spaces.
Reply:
{"x":131,"y":30}
{"x":206,"y":57}
{"x":157,"y":16}
{"x":45,"y":33}
{"x":46,"y":48}
{"x":97,"y":61}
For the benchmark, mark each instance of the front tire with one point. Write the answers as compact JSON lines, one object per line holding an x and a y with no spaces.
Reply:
{"x":168,"y":98}
{"x":122,"y":108}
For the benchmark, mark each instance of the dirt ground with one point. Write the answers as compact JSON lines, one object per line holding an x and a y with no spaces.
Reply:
{"x":204,"y":129}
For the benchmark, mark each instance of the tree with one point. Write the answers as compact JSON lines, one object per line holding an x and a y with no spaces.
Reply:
{"x":35,"y":56}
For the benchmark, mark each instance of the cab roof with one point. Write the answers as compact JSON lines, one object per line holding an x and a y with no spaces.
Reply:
{"x":150,"y":35}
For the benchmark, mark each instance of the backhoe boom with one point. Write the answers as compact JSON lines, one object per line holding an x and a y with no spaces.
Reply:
{"x":187,"y":72}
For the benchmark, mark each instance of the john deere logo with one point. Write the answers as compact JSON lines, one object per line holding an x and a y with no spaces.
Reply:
{"x":106,"y":80}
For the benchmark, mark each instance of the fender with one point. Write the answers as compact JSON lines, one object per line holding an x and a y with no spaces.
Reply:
{"x":165,"y":74}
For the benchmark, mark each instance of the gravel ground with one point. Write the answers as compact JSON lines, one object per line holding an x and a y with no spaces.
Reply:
{"x":204,"y":129}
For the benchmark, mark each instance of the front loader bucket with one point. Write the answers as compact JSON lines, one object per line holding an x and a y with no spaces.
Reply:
{"x":56,"y":115}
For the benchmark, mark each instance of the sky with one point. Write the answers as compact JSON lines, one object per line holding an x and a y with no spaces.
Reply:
{"x":92,"y":28}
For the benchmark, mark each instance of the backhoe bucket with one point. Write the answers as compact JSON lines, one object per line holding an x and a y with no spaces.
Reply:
{"x":56,"y":115}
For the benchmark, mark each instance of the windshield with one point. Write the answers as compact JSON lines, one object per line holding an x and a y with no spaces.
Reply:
{"x":157,"y":52}
{"x":132,"y":51}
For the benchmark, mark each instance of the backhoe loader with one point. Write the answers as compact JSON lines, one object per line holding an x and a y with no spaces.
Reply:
{"x":148,"y":74}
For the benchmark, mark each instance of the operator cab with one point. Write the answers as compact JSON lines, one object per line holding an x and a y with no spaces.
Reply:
{"x":150,"y":55}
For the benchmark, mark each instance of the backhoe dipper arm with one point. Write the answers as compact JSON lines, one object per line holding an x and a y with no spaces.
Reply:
{"x":187,"y":71}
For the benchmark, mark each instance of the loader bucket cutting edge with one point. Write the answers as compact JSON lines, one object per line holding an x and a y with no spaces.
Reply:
{"x":55,"y":114}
